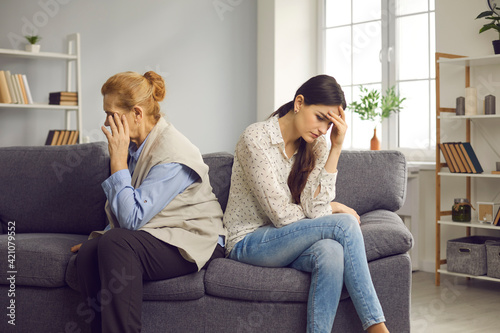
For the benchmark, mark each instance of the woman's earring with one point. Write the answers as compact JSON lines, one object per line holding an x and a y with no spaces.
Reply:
{"x":296,"y":111}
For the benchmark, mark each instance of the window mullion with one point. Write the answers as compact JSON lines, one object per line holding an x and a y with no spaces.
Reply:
{"x":390,"y":128}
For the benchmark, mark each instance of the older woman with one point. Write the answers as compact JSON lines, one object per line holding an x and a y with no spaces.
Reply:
{"x":164,"y":220}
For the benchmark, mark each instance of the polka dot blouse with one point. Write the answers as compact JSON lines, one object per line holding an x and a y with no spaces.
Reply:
{"x":259,"y":193}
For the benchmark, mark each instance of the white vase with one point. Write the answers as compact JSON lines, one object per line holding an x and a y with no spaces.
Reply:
{"x":35,"y":48}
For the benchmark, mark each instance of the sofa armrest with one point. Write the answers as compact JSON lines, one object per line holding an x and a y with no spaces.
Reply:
{"x":370,"y":180}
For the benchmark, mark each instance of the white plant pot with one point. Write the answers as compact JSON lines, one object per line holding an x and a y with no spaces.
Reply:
{"x":35,"y":48}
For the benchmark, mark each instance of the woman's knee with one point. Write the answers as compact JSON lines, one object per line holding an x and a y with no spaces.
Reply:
{"x":114,"y":238}
{"x":329,"y":253}
{"x":87,"y":253}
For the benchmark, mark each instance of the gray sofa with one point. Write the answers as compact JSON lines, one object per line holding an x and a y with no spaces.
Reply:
{"x":51,"y":199}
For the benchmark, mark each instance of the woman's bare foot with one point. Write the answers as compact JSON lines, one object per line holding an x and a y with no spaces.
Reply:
{"x":378,"y":328}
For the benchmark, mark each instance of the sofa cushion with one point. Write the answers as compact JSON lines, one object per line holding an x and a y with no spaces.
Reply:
{"x":40,"y":259}
{"x":220,"y":167}
{"x":183,"y":288}
{"x":232,"y":279}
{"x":369,"y":180}
{"x":54,"y":188}
{"x":236,"y":280}
{"x":384,"y":234}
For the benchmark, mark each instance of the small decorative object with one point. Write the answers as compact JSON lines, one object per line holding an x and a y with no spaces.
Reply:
{"x":374,"y":142}
{"x":494,"y":24}
{"x":498,"y":166}
{"x":461,"y":210}
{"x":489,"y":104}
{"x":460,"y":110}
{"x":33,"y":46}
{"x":376,"y":108}
{"x":470,"y":101}
{"x":487,"y":211}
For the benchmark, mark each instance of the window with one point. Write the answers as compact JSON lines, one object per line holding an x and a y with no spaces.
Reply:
{"x":380,"y":44}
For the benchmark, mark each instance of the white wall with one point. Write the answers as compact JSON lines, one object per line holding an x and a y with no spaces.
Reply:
{"x":205,"y":50}
{"x":457,"y":33}
{"x":287,"y":50}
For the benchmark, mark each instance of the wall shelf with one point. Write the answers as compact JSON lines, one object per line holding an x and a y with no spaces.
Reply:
{"x":26,"y":54}
{"x":478,"y":277}
{"x":39,"y":106}
{"x":485,"y":174}
{"x":446,"y":220}
{"x":73,"y":79}
{"x":443,"y":217}
{"x":471,"y":61}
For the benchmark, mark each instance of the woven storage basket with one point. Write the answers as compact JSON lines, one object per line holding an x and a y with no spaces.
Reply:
{"x":493,"y":259}
{"x":467,"y":255}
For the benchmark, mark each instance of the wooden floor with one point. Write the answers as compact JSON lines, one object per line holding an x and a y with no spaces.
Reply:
{"x":458,"y":305}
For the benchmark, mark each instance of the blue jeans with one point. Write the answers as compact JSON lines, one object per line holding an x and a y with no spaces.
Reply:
{"x":331,"y":248}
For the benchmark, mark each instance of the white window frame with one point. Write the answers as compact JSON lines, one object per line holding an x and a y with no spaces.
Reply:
{"x":388,"y":57}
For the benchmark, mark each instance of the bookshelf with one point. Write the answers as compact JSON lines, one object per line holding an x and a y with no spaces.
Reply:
{"x":73,"y":79}
{"x":443,"y":115}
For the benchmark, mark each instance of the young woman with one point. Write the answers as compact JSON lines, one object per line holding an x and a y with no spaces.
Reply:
{"x":280,"y":210}
{"x":164,"y":220}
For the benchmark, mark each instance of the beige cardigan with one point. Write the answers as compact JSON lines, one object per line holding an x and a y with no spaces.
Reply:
{"x":192,"y":221}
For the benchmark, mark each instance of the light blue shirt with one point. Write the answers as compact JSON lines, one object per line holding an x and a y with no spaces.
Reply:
{"x":134,"y":207}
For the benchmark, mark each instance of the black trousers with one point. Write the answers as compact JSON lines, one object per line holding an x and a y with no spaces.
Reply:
{"x":111,"y":270}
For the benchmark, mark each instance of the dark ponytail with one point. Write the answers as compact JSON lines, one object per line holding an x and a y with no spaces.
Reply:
{"x":318,"y":90}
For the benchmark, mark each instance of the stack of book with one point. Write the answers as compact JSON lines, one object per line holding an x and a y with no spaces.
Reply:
{"x":63,"y":98}
{"x":460,"y":157}
{"x":14,"y":89}
{"x":61,"y":137}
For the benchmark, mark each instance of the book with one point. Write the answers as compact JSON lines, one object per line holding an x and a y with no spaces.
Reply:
{"x":63,"y":98}
{"x":452,"y":159}
{"x":64,"y":93}
{"x":65,"y":138}
{"x":456,"y":157}
{"x":27,"y":88}
{"x":474,"y":162}
{"x":50,"y":136}
{"x":23,"y":91}
{"x":10,"y":84}
{"x":467,"y":158}
{"x":17,"y":88}
{"x":4,"y":89}
{"x":496,"y":221}
{"x":458,"y":146}
{"x":62,"y":137}
{"x":447,"y":158}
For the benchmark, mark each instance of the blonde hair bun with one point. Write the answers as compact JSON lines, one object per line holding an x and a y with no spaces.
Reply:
{"x":158,"y":83}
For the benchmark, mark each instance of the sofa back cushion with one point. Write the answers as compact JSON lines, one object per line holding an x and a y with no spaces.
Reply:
{"x":54,"y":188}
{"x":220,"y":166}
{"x":369,"y":180}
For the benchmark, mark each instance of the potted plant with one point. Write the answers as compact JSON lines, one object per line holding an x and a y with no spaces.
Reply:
{"x":376,"y":108}
{"x":494,"y":24}
{"x":33,"y":46}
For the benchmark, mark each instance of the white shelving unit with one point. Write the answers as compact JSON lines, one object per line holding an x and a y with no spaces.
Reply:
{"x":73,"y":79}
{"x":443,"y":115}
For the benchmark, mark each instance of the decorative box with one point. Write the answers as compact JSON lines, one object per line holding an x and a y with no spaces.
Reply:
{"x":467,"y":255}
{"x":487,"y":211}
{"x":493,"y":259}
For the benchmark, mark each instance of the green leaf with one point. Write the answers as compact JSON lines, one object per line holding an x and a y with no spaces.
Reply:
{"x":486,"y":13}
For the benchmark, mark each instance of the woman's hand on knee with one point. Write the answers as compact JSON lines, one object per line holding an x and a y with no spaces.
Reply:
{"x":337,"y":207}
{"x":75,"y":248}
